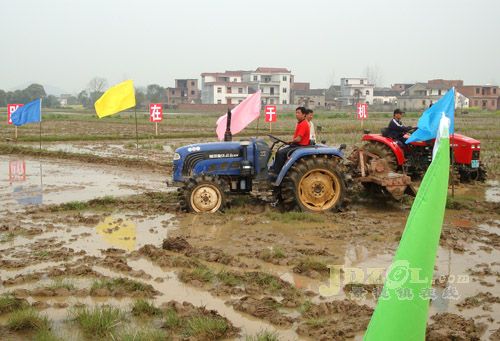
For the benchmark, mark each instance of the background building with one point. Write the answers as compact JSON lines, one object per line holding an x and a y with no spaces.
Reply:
{"x":275,"y":84}
{"x":354,"y":90}
{"x":313,"y":98}
{"x":223,"y":87}
{"x":185,"y":91}
{"x":486,"y":97}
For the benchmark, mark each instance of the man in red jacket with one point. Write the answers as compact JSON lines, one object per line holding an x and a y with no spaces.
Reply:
{"x":300,"y":138}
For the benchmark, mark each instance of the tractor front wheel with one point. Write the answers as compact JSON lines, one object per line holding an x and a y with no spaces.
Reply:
{"x":202,"y":194}
{"x":313,"y":185}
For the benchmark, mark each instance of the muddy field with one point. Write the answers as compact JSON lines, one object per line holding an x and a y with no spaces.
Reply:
{"x":93,"y":245}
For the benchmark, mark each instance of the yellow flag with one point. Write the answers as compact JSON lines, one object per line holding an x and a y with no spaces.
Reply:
{"x":115,"y":99}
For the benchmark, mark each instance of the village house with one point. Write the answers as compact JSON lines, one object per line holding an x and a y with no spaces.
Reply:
{"x":274,"y":83}
{"x":185,"y":91}
{"x":486,"y":97}
{"x":223,"y":87}
{"x":355,"y":90}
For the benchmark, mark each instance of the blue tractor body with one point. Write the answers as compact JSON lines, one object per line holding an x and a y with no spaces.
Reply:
{"x":226,"y":159}
{"x":207,"y":172}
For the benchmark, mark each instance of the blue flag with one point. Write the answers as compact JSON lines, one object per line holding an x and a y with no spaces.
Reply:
{"x":428,"y":123}
{"x":29,"y":113}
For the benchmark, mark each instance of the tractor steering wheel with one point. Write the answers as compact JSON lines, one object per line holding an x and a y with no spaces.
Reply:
{"x":277,"y":140}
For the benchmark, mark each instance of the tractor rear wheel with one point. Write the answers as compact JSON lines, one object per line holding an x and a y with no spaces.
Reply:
{"x":313,"y":185}
{"x":383,"y":152}
{"x":202,"y":194}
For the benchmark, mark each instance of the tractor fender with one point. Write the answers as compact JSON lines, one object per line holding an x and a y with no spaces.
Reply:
{"x":400,"y":157}
{"x":302,"y":152}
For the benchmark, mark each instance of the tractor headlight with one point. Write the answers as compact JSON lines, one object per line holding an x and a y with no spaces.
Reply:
{"x":177,"y":156}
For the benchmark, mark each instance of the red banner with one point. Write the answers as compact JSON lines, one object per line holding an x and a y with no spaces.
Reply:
{"x":362,"y":111}
{"x":155,"y":112}
{"x":271,"y":114}
{"x":10,"y":109}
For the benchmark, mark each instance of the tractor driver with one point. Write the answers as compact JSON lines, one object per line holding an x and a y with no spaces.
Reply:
{"x":396,"y":130}
{"x":300,"y":139}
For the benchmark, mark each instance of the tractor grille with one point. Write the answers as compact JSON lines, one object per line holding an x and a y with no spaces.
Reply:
{"x":191,"y":161}
{"x":475,"y":155}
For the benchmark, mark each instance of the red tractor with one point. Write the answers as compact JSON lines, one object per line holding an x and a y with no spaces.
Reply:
{"x":414,"y":158}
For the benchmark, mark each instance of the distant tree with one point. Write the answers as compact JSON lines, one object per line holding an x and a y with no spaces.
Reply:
{"x":84,"y":99}
{"x":96,"y":88}
{"x":50,"y":101}
{"x":141,"y":98}
{"x":3,"y":98}
{"x":34,"y":91}
{"x":155,"y":93}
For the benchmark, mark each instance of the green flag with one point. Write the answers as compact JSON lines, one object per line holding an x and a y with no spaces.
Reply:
{"x":402,"y":309}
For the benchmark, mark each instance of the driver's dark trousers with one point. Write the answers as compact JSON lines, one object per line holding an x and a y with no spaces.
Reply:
{"x":282,"y":156}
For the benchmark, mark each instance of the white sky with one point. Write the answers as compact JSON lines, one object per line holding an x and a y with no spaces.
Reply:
{"x":65,"y":43}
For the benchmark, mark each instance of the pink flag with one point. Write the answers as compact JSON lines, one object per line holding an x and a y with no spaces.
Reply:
{"x":241,"y":116}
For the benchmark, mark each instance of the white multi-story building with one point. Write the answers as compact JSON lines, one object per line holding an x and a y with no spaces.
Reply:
{"x":274,"y":83}
{"x":354,"y":90}
{"x":223,"y":87}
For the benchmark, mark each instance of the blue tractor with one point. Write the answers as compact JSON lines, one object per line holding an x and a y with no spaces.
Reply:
{"x":206,"y":173}
{"x":313,"y":178}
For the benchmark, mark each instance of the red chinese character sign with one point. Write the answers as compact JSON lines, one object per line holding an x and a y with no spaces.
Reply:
{"x":10,"y":110}
{"x":270,"y":113}
{"x":362,"y":110}
{"x":155,"y":112}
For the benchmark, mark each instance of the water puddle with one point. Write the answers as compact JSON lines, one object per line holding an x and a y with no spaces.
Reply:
{"x":28,"y":181}
{"x":112,"y":149}
{"x":492,"y":193}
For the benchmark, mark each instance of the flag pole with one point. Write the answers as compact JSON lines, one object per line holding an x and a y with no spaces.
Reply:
{"x":15,"y":133}
{"x":136,"y":133}
{"x":40,"y":126}
{"x":453,"y":151}
{"x":258,"y":120}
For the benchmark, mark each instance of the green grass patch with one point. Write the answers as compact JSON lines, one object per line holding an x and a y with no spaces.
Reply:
{"x":263,"y":336}
{"x":264,"y":280}
{"x":141,"y":307}
{"x":61,"y":284}
{"x":200,"y":273}
{"x":275,"y":252}
{"x":305,"y":307}
{"x":460,"y":202}
{"x":41,"y":254}
{"x":141,"y":335}
{"x":126,"y":284}
{"x":229,"y":278}
{"x":205,"y":327}
{"x":74,"y":206}
{"x":172,"y":319}
{"x":9,"y":303}
{"x":46,"y":335}
{"x":98,"y":321}
{"x":307,"y":264}
{"x":27,"y":319}
{"x":7,"y":237}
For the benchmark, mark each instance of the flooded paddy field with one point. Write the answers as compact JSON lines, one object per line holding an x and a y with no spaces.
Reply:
{"x":90,"y":250}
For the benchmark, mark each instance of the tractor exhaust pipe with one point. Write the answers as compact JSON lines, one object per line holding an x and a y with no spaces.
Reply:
{"x":228,"y":137}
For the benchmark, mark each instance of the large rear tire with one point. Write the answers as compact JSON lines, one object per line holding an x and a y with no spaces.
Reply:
{"x":313,"y":185}
{"x":202,"y":194}
{"x":383,"y":152}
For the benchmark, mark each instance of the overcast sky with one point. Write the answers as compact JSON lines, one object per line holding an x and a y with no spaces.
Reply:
{"x":65,"y":43}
